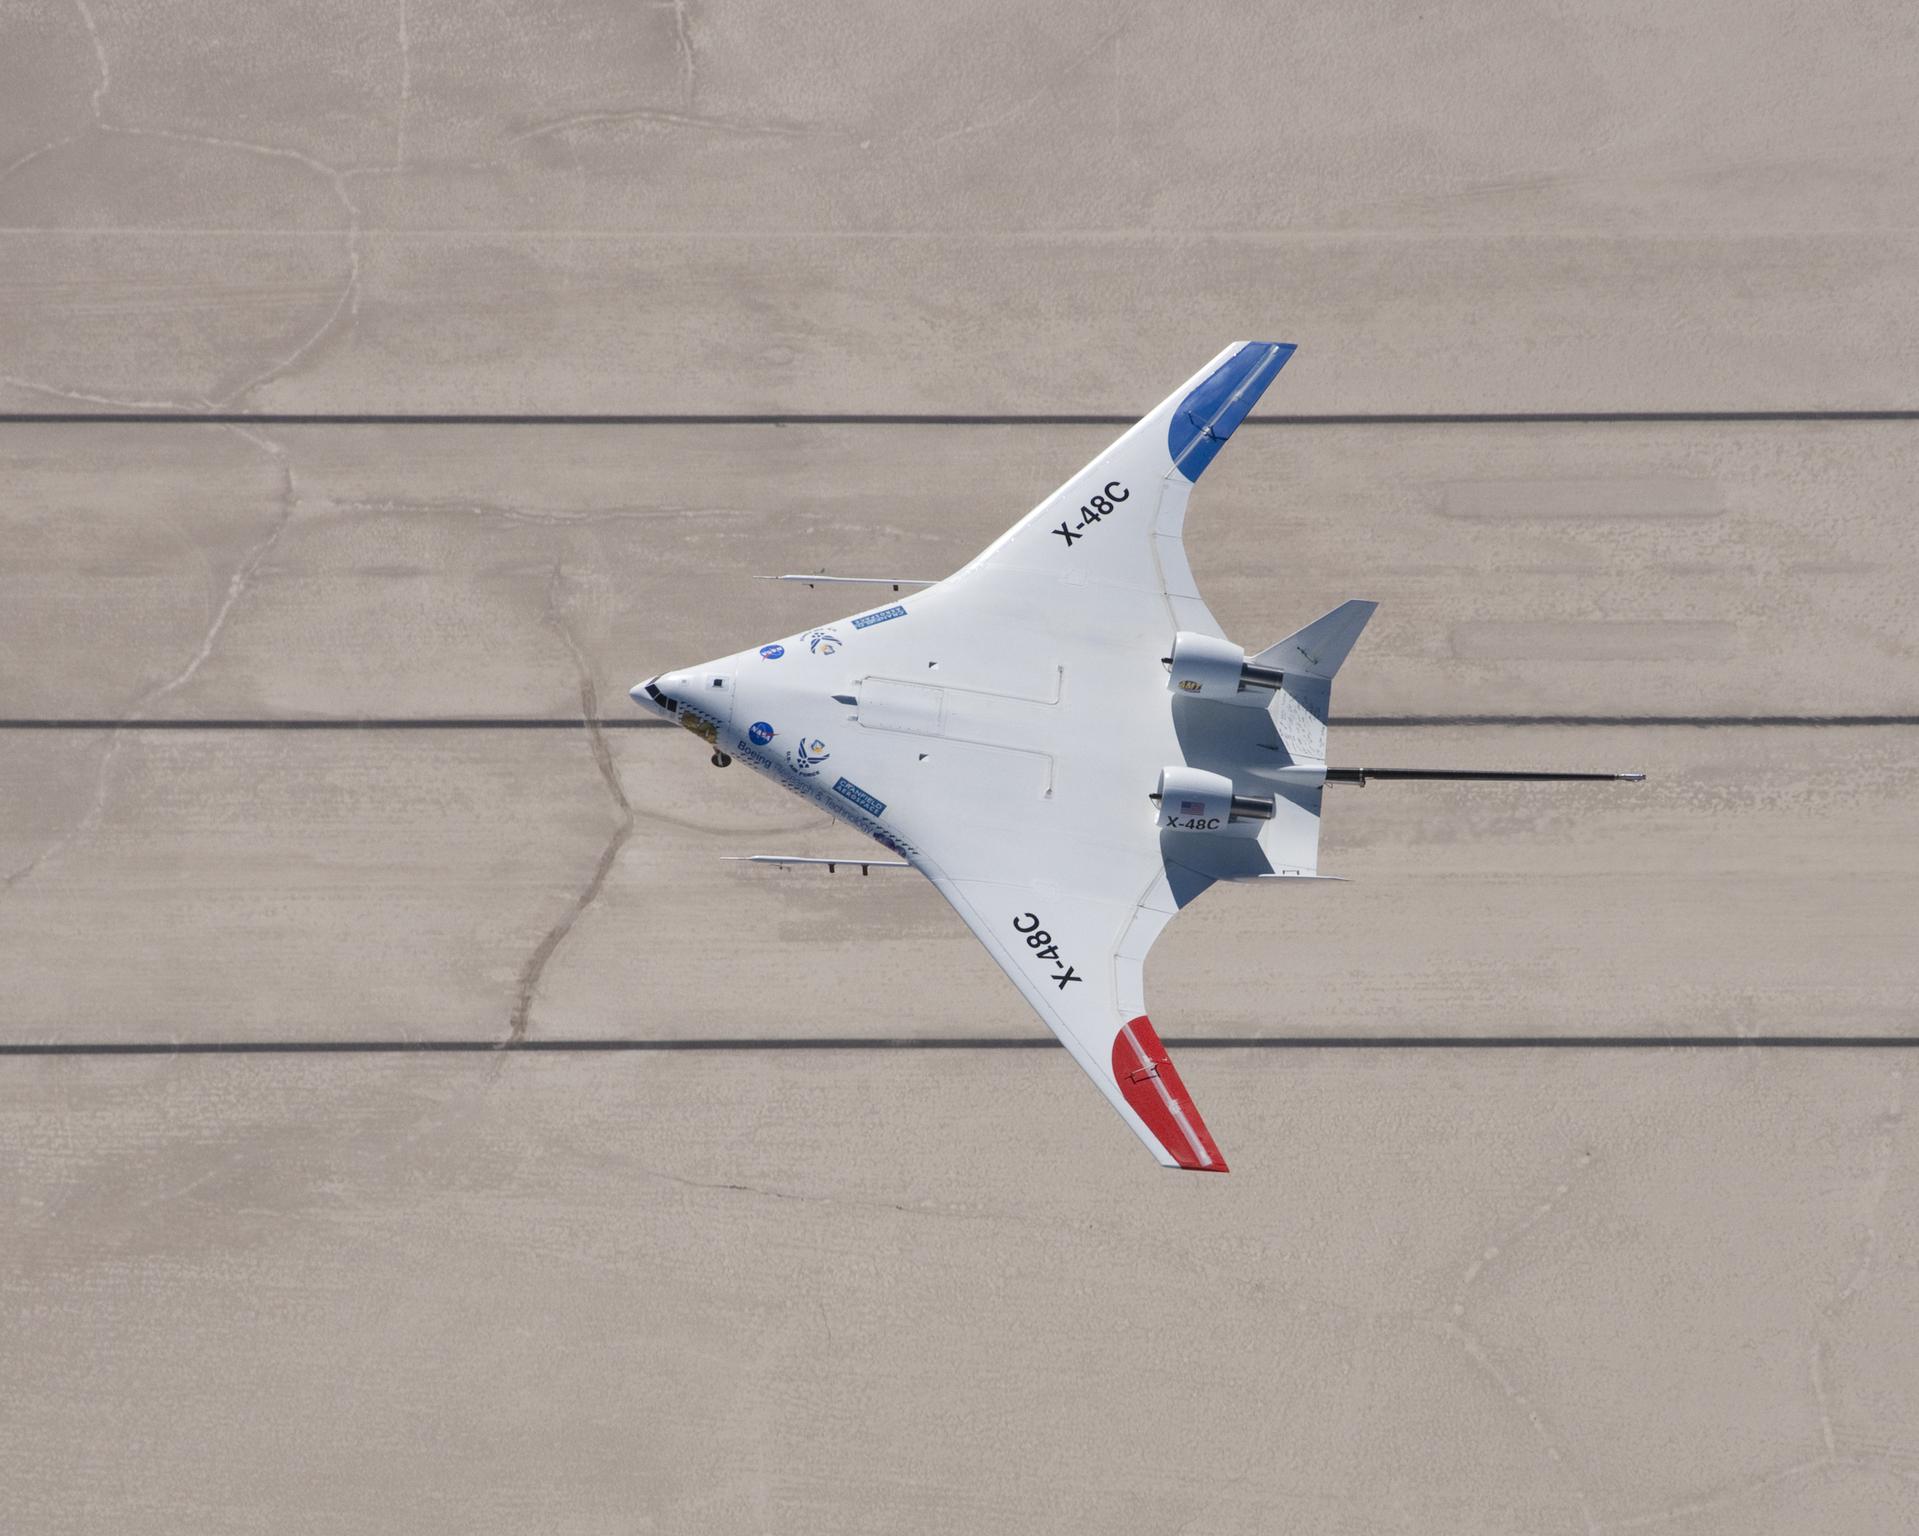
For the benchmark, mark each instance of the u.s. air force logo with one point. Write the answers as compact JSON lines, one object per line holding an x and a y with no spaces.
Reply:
{"x":807,"y":756}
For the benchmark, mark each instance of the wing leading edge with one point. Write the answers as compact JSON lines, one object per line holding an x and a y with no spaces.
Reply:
{"x":1118,"y":525}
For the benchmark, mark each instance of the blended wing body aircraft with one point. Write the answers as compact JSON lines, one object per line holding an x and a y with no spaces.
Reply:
{"x":1062,"y":740}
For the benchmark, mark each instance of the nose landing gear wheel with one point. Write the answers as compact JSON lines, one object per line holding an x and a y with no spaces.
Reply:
{"x":720,"y":759}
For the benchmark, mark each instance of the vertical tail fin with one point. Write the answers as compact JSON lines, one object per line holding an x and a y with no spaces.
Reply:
{"x":1319,"y":648}
{"x":1309,"y":658}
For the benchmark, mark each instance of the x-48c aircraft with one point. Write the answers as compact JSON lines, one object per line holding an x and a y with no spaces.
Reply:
{"x":1062,"y":740}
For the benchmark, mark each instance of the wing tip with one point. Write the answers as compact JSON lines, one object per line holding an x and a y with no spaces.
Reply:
{"x":1206,"y":416}
{"x":1151,"y":1085}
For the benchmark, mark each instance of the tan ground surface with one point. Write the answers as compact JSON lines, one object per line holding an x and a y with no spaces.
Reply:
{"x":230,"y":885}
{"x":1523,"y":1292}
{"x":791,"y":1290}
{"x":974,"y":207}
{"x":1626,"y":568}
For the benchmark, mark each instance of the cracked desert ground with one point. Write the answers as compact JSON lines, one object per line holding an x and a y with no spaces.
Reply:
{"x":317,"y":761}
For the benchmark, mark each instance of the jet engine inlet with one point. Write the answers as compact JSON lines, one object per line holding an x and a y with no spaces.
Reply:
{"x":1207,"y":667}
{"x":1193,"y":800}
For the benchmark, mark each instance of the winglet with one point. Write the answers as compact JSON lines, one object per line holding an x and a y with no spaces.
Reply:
{"x":1208,"y":415}
{"x":1151,"y":1084}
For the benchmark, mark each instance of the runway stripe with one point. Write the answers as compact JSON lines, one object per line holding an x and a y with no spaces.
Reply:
{"x":633,"y":722}
{"x":914,"y":419}
{"x":393,"y":1047}
{"x":637,"y":722}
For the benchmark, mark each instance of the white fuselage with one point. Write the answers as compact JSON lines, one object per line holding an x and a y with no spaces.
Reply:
{"x":775,"y":708}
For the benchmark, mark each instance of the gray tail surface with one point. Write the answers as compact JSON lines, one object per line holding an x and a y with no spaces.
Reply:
{"x":1309,"y":657}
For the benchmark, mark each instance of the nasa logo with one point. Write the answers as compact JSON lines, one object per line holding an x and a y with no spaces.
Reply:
{"x":822,"y":642}
{"x":759,"y":733}
{"x":772,"y":652}
{"x":1189,"y":685}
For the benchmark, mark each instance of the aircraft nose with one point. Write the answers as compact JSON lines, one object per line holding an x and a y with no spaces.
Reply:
{"x":704,"y":693}
{"x":650,"y":695}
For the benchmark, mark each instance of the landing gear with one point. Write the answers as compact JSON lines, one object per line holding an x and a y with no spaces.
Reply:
{"x":720,"y":759}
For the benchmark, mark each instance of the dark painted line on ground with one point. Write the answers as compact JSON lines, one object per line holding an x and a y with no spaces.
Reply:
{"x":908,"y":419}
{"x":635,"y":722}
{"x":962,"y":1043}
{"x":650,"y":723}
{"x":1701,"y":722}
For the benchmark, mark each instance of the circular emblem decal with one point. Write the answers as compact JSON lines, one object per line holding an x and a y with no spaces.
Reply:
{"x":759,"y":733}
{"x":822,"y":642}
{"x":772,"y":652}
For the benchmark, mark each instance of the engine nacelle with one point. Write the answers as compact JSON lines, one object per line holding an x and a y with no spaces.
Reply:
{"x":1193,"y":800}
{"x":1207,"y":667}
